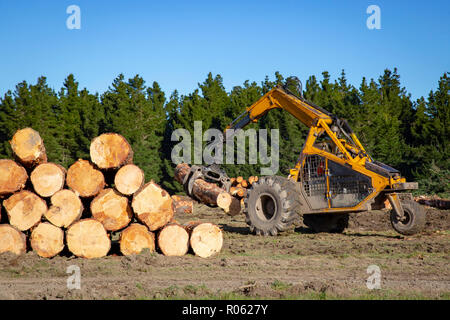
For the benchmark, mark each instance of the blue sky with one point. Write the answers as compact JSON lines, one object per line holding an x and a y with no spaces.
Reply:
{"x":178,"y":42}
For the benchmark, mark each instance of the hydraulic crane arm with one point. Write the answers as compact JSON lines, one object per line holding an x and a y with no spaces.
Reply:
{"x":314,"y":117}
{"x":278,"y":97}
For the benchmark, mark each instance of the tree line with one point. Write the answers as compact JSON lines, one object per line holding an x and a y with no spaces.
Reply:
{"x":412,"y":136}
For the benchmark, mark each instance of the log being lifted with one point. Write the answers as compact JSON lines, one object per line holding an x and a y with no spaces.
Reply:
{"x":66,"y":208}
{"x":88,"y":238}
{"x":110,"y":151}
{"x":206,"y":239}
{"x":12,"y":240}
{"x":209,"y":193}
{"x":111,"y":209}
{"x":28,"y":147}
{"x":173,"y":240}
{"x":153,"y":206}
{"x":84,"y":179}
{"x":13,"y":177}
{"x":47,"y":240}
{"x":136,"y":238}
{"x":48,"y":178}
{"x":183,"y":205}
{"x":25,"y":209}
{"x":129,"y":179}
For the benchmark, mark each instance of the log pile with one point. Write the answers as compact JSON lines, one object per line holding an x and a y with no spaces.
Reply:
{"x":81,"y":210}
{"x":433,"y":201}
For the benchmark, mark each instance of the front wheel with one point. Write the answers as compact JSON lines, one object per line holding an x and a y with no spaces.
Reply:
{"x":271,"y":205}
{"x":413,"y":221}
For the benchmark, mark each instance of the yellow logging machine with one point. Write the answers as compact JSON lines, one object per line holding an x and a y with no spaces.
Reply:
{"x":334,"y":176}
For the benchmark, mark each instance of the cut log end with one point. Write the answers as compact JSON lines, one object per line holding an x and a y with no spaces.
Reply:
{"x":129,"y":179}
{"x":153,"y":206}
{"x":28,"y":147}
{"x":84,"y":179}
{"x":136,"y":238}
{"x":47,"y":240}
{"x":13,"y":177}
{"x":173,"y":240}
{"x":111,"y":209}
{"x":110,"y":151}
{"x":206,"y":239}
{"x":88,"y":238}
{"x":25,"y":209}
{"x":66,"y":208}
{"x":47,"y":179}
{"x":12,"y":240}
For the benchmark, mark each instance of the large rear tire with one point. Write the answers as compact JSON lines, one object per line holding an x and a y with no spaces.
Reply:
{"x":272,"y":205}
{"x":326,"y":222}
{"x":413,"y":221}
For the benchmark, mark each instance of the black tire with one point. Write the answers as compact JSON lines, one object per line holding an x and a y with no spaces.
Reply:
{"x":414,"y":218}
{"x":272,"y":205}
{"x":326,"y":222}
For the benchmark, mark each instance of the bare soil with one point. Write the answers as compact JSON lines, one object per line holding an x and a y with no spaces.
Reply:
{"x":296,"y":265}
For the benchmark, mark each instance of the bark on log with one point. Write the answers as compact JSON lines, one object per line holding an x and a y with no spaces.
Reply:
{"x":173,"y":240}
{"x":136,"y":238}
{"x":25,"y":209}
{"x":48,"y":178}
{"x":206,"y":239}
{"x":88,"y":238}
{"x":111,"y":209}
{"x":206,"y":192}
{"x":110,"y":151}
{"x":66,"y":208}
{"x":84,"y":179}
{"x":153,"y":206}
{"x":12,"y":240}
{"x":129,"y":179}
{"x":13,"y":177}
{"x":47,"y":240}
{"x":28,"y":147}
{"x":183,"y":205}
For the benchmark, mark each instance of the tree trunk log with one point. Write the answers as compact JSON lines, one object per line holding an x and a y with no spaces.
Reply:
{"x":12,"y":240}
{"x":136,"y":238}
{"x":206,"y":239}
{"x":25,"y":209}
{"x":206,"y":192}
{"x":111,"y":209}
{"x":13,"y":177}
{"x":88,"y":238}
{"x":48,"y":178}
{"x":129,"y":179}
{"x":183,"y":205}
{"x":84,"y":179}
{"x":47,"y":240}
{"x":28,"y":147}
{"x":66,"y":208}
{"x":173,"y":240}
{"x":153,"y":206}
{"x":110,"y":151}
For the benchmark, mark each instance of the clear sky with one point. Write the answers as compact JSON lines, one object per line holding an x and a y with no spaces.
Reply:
{"x":178,"y":42}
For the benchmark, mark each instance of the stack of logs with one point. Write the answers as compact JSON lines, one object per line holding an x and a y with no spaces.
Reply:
{"x":239,"y":186}
{"x":80,"y":207}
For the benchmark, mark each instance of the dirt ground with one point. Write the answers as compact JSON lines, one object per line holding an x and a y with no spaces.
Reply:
{"x":296,"y":265}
